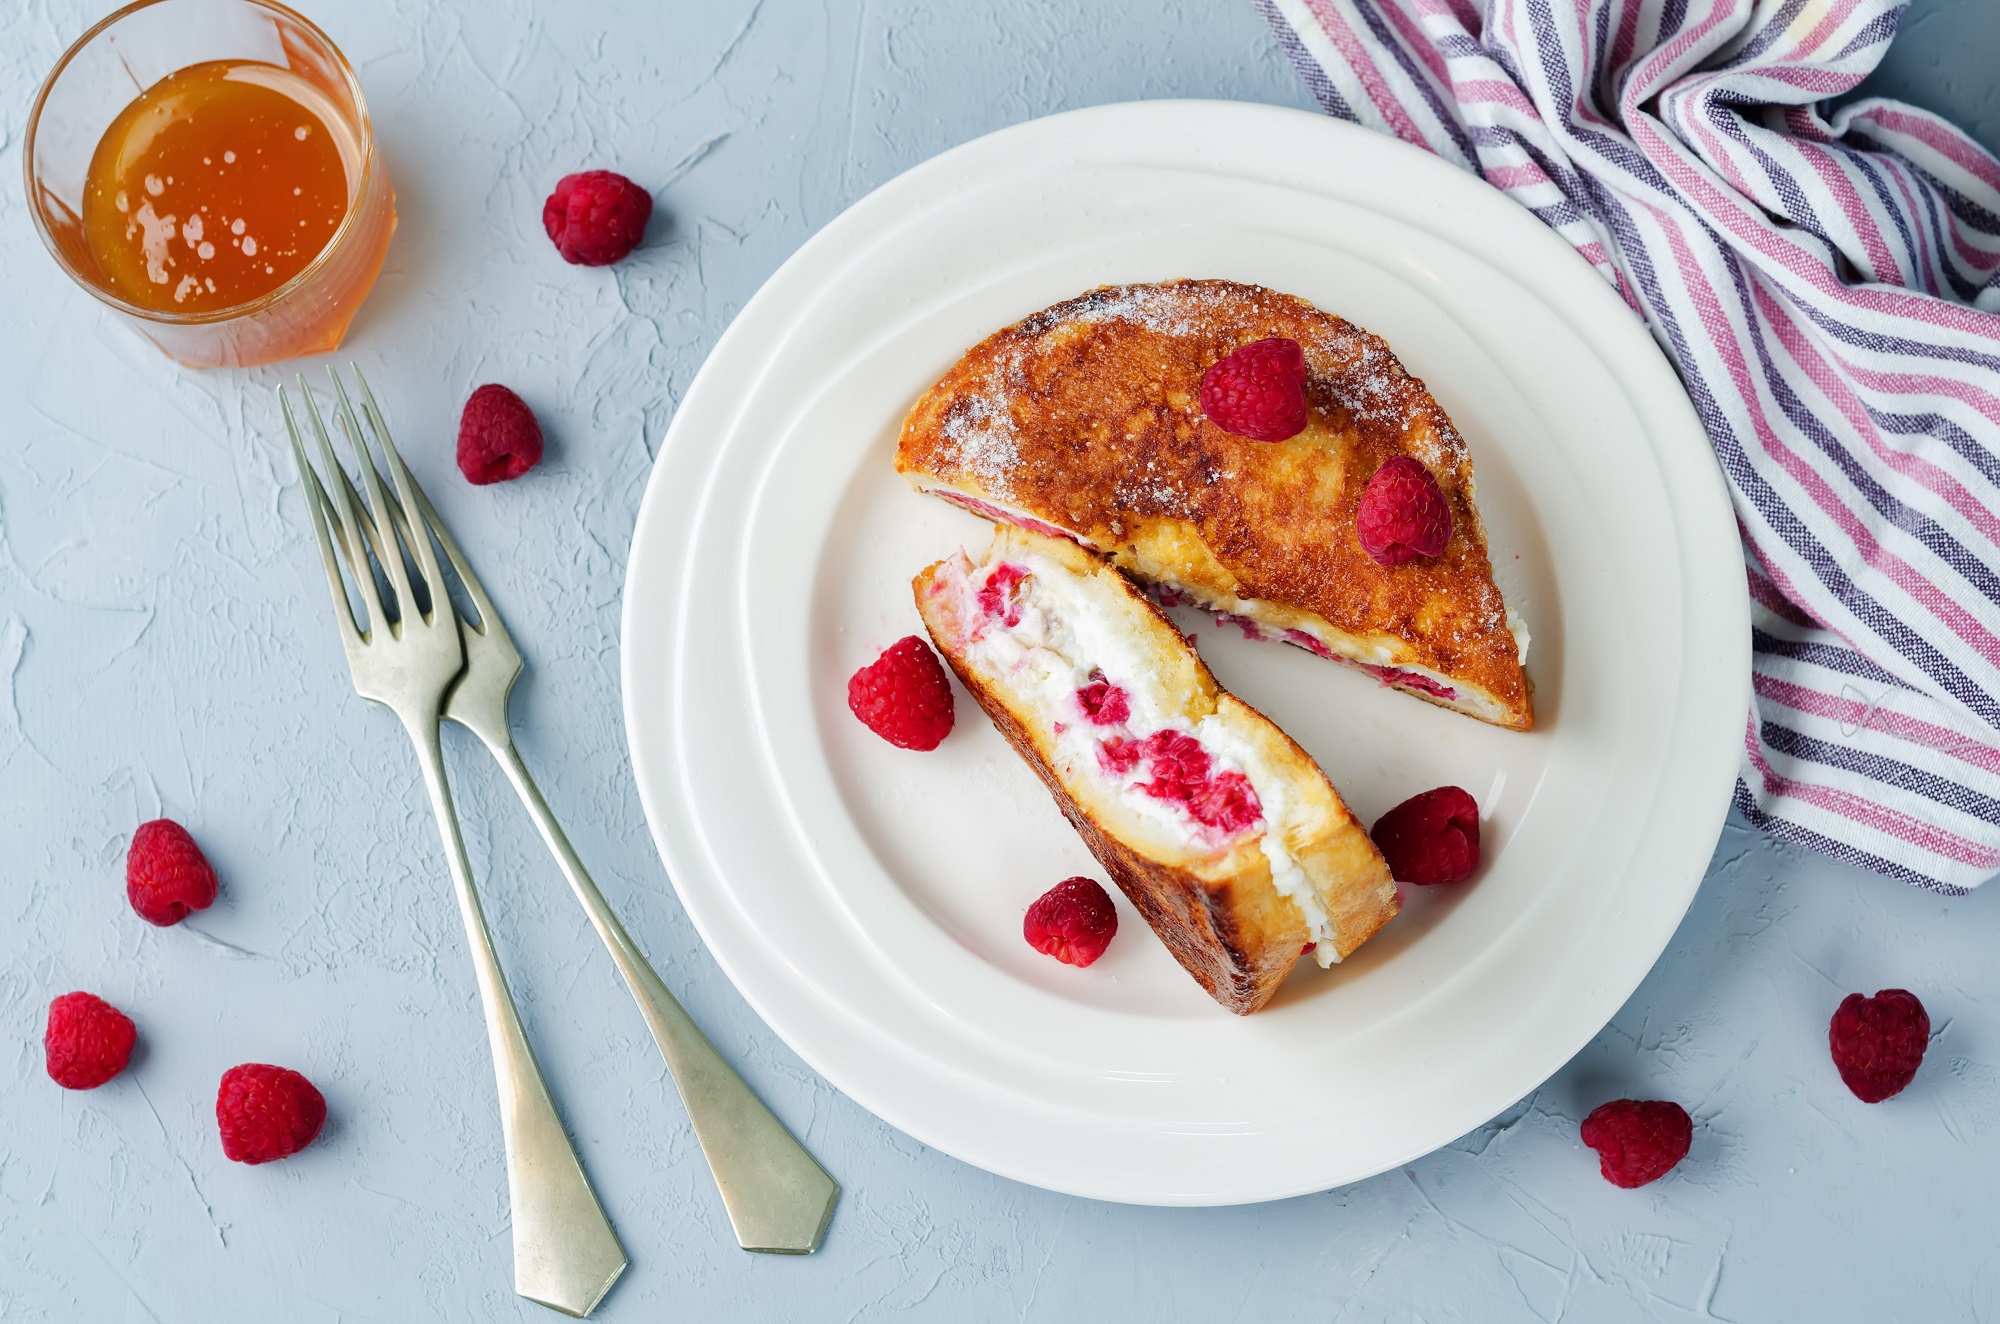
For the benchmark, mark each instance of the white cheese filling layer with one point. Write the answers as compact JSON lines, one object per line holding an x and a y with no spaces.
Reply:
{"x":1058,"y":643}
{"x":1249,"y":614}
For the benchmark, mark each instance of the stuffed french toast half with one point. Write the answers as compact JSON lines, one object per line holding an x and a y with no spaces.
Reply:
{"x":1223,"y":832}
{"x":1085,"y":421}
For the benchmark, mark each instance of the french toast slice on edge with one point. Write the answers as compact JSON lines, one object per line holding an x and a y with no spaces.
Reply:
{"x":1241,"y":853}
{"x":1085,"y":421}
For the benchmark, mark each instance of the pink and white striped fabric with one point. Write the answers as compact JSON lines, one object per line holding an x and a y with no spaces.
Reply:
{"x":1826,"y":284}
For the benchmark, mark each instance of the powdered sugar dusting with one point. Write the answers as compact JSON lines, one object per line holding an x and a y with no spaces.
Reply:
{"x":1370,"y":382}
{"x":984,"y":442}
{"x":1360,"y":370}
{"x":1180,"y":310}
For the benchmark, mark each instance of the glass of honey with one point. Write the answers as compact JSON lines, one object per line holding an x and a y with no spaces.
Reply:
{"x":207,"y":168}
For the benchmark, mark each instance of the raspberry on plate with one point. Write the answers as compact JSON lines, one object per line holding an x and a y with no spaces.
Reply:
{"x":166,"y":875}
{"x":903,"y":696}
{"x":1074,"y":921}
{"x":1258,"y":391}
{"x":266,"y":1112}
{"x":498,"y":437}
{"x":88,"y":1041}
{"x":1638,"y":1141}
{"x":1431,"y":838}
{"x":1403,"y":514}
{"x":1878,"y":1043}
{"x":596,"y":217}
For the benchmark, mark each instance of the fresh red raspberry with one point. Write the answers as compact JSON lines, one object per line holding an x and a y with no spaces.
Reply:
{"x":1259,"y":391}
{"x":88,"y":1041}
{"x":903,"y":696}
{"x":1878,"y":1043}
{"x":166,"y":875}
{"x":498,"y":437}
{"x":266,"y":1112}
{"x":1102,"y":703}
{"x":1637,"y":1142}
{"x":1074,"y":921}
{"x":596,"y":217}
{"x":1431,"y":838}
{"x":1118,"y":756}
{"x":1000,"y":596}
{"x":1403,"y":514}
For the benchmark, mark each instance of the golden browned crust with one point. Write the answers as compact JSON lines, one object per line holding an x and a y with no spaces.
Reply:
{"x":1221,"y":916}
{"x":1086,"y":417}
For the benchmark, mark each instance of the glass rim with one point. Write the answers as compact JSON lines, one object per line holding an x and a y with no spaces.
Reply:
{"x":31,"y":184}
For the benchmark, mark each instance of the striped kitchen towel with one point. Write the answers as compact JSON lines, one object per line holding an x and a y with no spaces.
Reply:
{"x":1826,"y":284}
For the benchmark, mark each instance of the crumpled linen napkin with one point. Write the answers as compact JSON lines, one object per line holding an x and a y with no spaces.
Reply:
{"x":1828,"y":286}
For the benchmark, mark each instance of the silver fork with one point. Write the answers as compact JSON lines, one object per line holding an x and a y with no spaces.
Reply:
{"x":565,"y":1254}
{"x":779,"y":1199}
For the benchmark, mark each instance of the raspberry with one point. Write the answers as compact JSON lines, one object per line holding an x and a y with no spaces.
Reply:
{"x":1431,"y":838}
{"x":1103,"y":703}
{"x":902,"y":696}
{"x":1184,"y":774}
{"x":1074,"y":921}
{"x":498,"y":437}
{"x":1879,"y":1042}
{"x":1403,"y":514}
{"x":1118,"y":756}
{"x":1000,"y":596}
{"x":1259,"y":391}
{"x":166,"y":875}
{"x":596,"y":217}
{"x":266,"y":1112}
{"x":88,"y":1041}
{"x":1637,"y":1142}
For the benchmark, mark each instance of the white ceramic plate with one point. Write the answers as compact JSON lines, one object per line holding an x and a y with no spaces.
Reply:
{"x":868,"y":900}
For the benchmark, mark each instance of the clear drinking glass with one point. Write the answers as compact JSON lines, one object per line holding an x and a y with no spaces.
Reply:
{"x":133,"y":49}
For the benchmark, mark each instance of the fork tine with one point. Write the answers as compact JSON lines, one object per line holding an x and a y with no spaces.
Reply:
{"x":342,"y":532}
{"x":353,"y":418}
{"x":357,"y":554}
{"x":371,"y":414}
{"x":311,"y":415}
{"x":489,"y":616}
{"x":368,"y":526}
{"x":473,"y":588}
{"x":316,"y":502}
{"x":415,"y":506}
{"x":347,"y":515}
{"x":378,"y":503}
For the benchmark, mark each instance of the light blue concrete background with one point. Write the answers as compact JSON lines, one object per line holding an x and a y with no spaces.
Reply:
{"x":1944,"y":59}
{"x":164,"y":647}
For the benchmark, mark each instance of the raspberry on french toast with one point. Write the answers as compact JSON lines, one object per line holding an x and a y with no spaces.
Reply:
{"x":1225,"y":835}
{"x":1085,"y":420}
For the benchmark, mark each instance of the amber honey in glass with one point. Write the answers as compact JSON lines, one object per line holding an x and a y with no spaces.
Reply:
{"x":234,"y":207}
{"x":217,"y":185}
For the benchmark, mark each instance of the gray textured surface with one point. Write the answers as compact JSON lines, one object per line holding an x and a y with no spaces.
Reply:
{"x":1943,"y":59}
{"x":164,"y":648}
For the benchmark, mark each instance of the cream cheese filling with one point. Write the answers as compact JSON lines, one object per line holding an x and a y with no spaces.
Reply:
{"x":1057,"y":644}
{"x":1253,"y":614}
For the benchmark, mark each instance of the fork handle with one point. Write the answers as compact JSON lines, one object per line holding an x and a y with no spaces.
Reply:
{"x":778,"y":1197}
{"x":565,"y":1254}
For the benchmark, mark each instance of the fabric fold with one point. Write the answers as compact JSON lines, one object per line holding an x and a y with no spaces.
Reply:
{"x":1826,"y":286}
